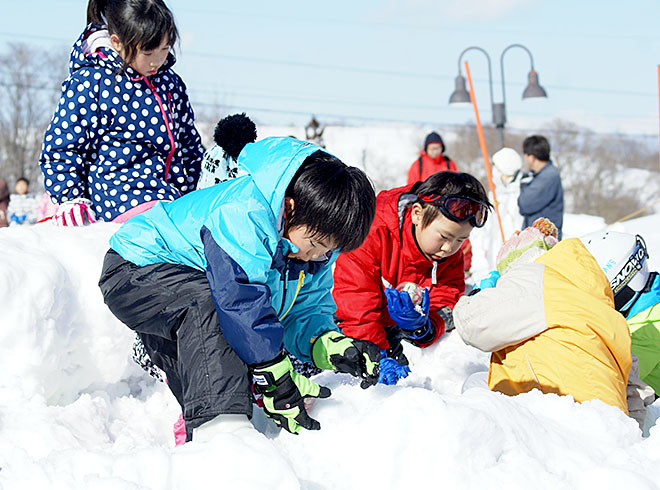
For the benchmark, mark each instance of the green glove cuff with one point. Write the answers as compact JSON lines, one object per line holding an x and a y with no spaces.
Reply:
{"x":267,"y":376}
{"x":326,"y":345}
{"x":284,"y":392}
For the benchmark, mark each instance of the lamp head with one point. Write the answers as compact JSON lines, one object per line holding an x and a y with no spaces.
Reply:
{"x":460,"y":94}
{"x":533,"y":88}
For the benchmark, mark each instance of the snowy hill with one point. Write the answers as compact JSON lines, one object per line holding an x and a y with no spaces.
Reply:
{"x":76,"y":413}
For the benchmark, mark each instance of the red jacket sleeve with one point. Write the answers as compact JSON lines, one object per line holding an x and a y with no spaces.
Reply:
{"x":358,"y":292}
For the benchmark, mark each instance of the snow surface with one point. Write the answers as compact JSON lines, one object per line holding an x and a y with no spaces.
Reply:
{"x":77,"y":413}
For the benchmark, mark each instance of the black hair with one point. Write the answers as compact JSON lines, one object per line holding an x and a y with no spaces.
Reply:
{"x":23,"y":179}
{"x":332,"y":200}
{"x":139,"y":24}
{"x":537,"y":146}
{"x":443,"y":183}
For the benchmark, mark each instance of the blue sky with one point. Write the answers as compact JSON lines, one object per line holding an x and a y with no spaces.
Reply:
{"x":370,"y":61}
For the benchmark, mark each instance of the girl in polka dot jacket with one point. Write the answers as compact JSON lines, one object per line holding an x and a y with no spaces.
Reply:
{"x":123,"y":135}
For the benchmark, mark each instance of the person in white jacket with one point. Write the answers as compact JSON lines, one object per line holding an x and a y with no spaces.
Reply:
{"x":507,"y":165}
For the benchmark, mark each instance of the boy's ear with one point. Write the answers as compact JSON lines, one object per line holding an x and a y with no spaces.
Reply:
{"x":416,"y":214}
{"x":289,"y":204}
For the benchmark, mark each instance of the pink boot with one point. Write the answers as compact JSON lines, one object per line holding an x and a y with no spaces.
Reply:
{"x":179,"y":431}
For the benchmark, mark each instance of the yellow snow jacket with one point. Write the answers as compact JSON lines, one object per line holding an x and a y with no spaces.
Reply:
{"x":551,"y":325}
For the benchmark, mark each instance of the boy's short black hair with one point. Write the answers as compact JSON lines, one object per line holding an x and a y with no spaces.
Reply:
{"x":333,"y":200}
{"x":537,"y":146}
{"x":444,"y":183}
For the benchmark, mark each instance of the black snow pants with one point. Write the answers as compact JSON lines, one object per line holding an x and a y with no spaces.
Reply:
{"x":170,"y":307}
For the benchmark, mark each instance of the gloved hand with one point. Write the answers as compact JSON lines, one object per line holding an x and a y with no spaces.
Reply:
{"x":490,"y":281}
{"x":390,"y":370}
{"x":395,"y":349}
{"x":283,"y":391}
{"x":337,"y":352}
{"x":77,"y":212}
{"x":447,"y":316}
{"x":414,"y":325}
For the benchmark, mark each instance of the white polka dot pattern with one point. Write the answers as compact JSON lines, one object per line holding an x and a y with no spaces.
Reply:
{"x":109,"y":141}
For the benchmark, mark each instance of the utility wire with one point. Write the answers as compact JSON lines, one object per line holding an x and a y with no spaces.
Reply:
{"x":363,"y":70}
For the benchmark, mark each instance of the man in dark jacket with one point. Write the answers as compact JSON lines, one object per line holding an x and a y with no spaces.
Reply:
{"x":541,"y":192}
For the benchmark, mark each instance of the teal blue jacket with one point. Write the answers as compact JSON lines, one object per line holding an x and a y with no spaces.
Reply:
{"x":265,"y":300}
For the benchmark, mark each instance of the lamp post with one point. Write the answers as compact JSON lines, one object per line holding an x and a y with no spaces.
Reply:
{"x":533,"y":88}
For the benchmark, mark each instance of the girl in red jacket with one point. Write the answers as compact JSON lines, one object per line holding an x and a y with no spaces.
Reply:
{"x":416,"y":237}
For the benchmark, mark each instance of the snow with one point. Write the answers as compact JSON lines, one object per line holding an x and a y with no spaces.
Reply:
{"x":77,"y":413}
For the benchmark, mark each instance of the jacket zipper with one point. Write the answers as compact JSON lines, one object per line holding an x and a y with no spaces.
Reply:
{"x":286,"y":280}
{"x":167,"y":124}
{"x":301,"y":283}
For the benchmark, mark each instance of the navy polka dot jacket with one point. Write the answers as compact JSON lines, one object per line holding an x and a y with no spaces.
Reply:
{"x":118,"y":138}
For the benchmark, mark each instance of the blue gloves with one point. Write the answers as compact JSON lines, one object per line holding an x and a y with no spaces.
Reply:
{"x":490,"y":281}
{"x":390,"y":370}
{"x":402,"y":310}
{"x":415,"y":326}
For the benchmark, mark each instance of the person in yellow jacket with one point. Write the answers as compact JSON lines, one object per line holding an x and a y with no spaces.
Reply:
{"x":550,"y":323}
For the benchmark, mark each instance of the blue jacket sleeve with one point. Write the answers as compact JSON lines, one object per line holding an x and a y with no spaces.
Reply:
{"x":311,"y":314}
{"x":71,"y":137}
{"x":245,"y":313}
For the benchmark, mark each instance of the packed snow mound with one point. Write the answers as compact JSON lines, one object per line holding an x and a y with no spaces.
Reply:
{"x":59,"y":339}
{"x":77,"y":413}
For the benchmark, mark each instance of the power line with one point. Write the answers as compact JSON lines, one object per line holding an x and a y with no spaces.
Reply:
{"x":345,"y":117}
{"x":49,"y":88}
{"x":371,"y":71}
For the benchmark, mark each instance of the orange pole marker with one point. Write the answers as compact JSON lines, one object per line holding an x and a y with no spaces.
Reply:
{"x":484,"y":150}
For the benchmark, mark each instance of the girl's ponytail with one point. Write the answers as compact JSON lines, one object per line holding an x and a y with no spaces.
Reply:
{"x":95,"y":11}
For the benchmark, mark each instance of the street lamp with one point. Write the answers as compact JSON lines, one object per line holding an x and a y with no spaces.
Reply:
{"x":533,"y":88}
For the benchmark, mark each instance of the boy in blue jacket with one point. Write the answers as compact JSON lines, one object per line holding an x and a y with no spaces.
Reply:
{"x":223,"y":282}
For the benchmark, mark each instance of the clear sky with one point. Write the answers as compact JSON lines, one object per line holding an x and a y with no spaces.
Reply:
{"x":370,"y":61}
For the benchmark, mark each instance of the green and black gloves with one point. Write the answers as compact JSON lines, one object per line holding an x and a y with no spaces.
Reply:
{"x":337,"y":352}
{"x":283,"y":392}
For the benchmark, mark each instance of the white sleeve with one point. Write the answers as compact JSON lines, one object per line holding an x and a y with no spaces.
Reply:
{"x":505,"y":315}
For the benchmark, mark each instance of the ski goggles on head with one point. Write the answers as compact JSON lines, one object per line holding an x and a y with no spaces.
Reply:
{"x":459,"y":208}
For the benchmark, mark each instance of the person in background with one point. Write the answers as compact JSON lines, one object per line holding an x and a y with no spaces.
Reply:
{"x":415,"y":238}
{"x":22,"y":186}
{"x":541,"y":192}
{"x":223,"y":282}
{"x":4,"y":203}
{"x":431,"y":159}
{"x":123,"y":135}
{"x":507,"y":166}
{"x":22,"y":208}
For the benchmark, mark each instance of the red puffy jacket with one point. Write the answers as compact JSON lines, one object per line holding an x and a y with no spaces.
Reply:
{"x":390,"y":255}
{"x":429,"y":166}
